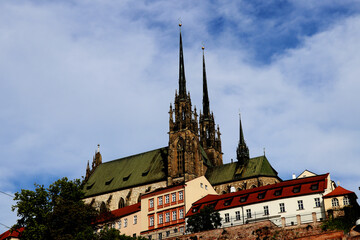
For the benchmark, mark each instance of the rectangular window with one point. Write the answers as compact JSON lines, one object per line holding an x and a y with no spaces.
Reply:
{"x":181,"y":213}
{"x":160,"y":236}
{"x":173,"y":197}
{"x":151,"y":221}
{"x":167,"y":233}
{"x":160,"y":201}
{"x":174,"y":215}
{"x":282,"y":207}
{"x":135,"y":219}
{"x":227,"y":218}
{"x":181,"y":229}
{"x":125,"y":222}
{"x":119,"y":224}
{"x":237,"y":215}
{"x":317,"y":202}
{"x":167,"y":199}
{"x":167,"y":217}
{"x":181,"y":195}
{"x":300,"y":205}
{"x":113,"y":225}
{"x":346,"y":201}
{"x":161,"y":219}
{"x":248,"y":213}
{"x":266,"y":210}
{"x":151,"y":203}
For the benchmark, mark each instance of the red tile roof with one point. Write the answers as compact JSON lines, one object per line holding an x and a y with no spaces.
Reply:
{"x":338,"y":191}
{"x":118,"y":213}
{"x":285,"y":189}
{"x":13,"y":234}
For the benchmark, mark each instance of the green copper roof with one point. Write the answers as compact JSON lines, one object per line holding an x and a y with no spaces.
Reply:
{"x":140,"y":169}
{"x":258,"y":166}
{"x":127,"y":172}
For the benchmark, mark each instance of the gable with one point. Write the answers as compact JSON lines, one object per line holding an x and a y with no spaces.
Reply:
{"x":140,"y":169}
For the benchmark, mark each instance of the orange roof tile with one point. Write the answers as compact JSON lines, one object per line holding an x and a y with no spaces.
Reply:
{"x":338,"y":191}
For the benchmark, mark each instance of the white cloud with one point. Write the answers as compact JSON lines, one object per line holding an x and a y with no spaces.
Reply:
{"x":78,"y":74}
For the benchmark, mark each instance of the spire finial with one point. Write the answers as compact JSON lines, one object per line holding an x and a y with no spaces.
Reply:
{"x":206,"y":104}
{"x":264,"y":151}
{"x":98,"y":149}
{"x":182,"y":80}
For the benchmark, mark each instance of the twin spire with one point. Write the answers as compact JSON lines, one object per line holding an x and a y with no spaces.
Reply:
{"x":182,"y":80}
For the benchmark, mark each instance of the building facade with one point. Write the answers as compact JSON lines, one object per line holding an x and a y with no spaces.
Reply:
{"x":194,"y":150}
{"x":163,"y":211}
{"x":288,"y":203}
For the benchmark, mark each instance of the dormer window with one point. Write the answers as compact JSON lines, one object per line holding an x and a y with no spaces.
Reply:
{"x":314,"y":186}
{"x":243,"y":199}
{"x":227,"y":202}
{"x":261,"y":195}
{"x":278,"y":192}
{"x":296,"y":189}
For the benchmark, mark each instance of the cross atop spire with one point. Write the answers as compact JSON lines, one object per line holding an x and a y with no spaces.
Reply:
{"x":182,"y":80}
{"x":206,"y":105}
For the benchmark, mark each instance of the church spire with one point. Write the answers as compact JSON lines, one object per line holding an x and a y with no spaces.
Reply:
{"x":206,"y":107}
{"x":242,"y":151}
{"x":182,"y":80}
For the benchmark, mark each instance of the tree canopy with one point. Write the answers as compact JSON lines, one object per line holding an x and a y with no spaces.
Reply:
{"x":58,"y":213}
{"x":206,"y":219}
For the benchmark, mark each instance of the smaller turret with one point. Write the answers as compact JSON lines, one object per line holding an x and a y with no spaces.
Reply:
{"x":97,"y":160}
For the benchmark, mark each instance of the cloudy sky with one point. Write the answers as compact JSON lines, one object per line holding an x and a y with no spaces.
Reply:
{"x":75,"y":74}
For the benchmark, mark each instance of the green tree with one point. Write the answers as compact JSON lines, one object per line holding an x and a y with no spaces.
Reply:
{"x":206,"y":219}
{"x":57,"y":212}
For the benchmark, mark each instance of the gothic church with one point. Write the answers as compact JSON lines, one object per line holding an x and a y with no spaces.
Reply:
{"x":194,"y":150}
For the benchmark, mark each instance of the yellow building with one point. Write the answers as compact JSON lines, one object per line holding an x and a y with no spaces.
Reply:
{"x":336,"y":201}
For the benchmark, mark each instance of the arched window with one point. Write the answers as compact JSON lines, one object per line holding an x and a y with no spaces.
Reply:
{"x":180,"y":156}
{"x":335,"y":202}
{"x":121,"y":203}
{"x":253,"y":186}
{"x":346,"y":201}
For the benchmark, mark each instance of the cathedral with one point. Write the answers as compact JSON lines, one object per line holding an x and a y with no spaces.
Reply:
{"x":193,"y":150}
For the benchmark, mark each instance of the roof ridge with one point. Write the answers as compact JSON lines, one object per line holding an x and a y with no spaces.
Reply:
{"x":127,"y":157}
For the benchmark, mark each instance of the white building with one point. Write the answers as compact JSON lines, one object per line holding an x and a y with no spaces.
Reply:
{"x":286,"y":203}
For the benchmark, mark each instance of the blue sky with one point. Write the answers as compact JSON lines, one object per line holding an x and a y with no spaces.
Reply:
{"x":77,"y":73}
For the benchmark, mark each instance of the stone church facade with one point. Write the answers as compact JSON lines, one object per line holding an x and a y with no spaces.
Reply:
{"x":194,"y":150}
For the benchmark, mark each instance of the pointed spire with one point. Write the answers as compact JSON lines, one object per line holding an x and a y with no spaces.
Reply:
{"x":242,"y":150}
{"x":206,"y":105}
{"x":182,"y":81}
{"x":241,"y":134}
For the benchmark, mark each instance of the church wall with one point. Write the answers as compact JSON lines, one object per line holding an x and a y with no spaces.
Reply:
{"x":245,"y":184}
{"x":130,"y":196}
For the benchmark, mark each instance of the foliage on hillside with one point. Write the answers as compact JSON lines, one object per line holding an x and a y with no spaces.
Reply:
{"x":58,"y":213}
{"x":206,"y":219}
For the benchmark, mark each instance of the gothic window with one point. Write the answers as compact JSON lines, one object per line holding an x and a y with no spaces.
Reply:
{"x":180,"y":156}
{"x":121,"y":203}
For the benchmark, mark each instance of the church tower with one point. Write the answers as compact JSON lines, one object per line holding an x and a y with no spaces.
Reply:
{"x":209,"y":137}
{"x":184,"y":156}
{"x":242,"y":151}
